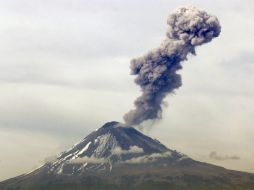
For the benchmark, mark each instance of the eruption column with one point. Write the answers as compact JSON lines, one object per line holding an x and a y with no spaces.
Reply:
{"x":157,"y":70}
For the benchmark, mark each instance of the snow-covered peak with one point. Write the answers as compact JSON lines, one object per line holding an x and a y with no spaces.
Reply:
{"x":112,"y":144}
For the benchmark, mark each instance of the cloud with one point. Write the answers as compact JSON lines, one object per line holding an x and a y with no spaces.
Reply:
{"x":157,"y":71}
{"x":50,"y":159}
{"x":214,"y":155}
{"x":148,"y":158}
{"x":82,"y":43}
{"x":132,"y":150}
{"x":86,"y":159}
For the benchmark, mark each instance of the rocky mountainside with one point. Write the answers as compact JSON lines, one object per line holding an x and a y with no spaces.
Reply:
{"x":109,"y":146}
{"x":117,"y":156}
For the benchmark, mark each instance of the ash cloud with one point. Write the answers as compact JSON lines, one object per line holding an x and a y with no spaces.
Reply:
{"x":156,"y":71}
{"x":214,"y":155}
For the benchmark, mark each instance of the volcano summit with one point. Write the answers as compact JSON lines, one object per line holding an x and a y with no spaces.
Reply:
{"x":117,"y":156}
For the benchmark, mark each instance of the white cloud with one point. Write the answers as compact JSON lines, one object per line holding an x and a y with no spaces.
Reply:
{"x":148,"y":158}
{"x":132,"y":150}
{"x":50,"y":159}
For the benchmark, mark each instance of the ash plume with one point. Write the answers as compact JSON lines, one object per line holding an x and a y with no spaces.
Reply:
{"x":156,"y":71}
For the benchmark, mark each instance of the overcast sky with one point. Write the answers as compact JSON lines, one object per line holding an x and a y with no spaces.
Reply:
{"x":64,"y":71}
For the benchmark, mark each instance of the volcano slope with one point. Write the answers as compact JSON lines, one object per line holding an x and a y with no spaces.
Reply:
{"x":119,"y":157}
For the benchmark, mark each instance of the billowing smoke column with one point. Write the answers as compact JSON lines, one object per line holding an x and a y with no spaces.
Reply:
{"x":157,"y":70}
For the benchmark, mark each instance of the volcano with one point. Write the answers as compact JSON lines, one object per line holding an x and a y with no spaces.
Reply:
{"x":117,"y":156}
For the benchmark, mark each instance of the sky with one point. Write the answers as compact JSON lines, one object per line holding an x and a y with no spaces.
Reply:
{"x":64,"y":71}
